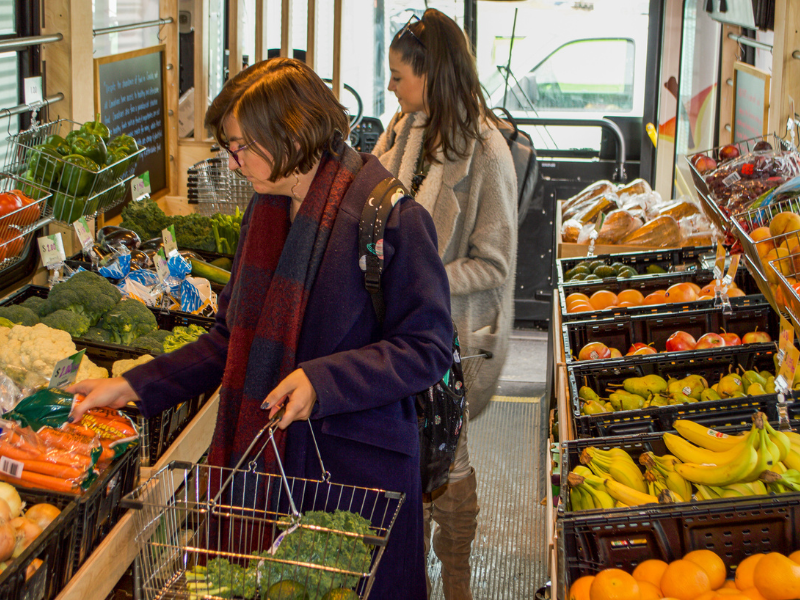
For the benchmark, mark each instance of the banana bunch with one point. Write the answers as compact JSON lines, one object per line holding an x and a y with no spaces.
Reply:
{"x":720,"y":463}
{"x":660,"y":470}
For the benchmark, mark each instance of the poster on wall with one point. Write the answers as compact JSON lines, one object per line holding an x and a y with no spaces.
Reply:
{"x":130,"y":97}
{"x":750,"y":102}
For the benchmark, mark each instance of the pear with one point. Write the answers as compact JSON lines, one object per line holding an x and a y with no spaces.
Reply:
{"x":751,"y":377}
{"x":739,"y":394}
{"x":644,"y":386}
{"x":615,"y":401}
{"x":659,"y":400}
{"x":692,"y":386}
{"x":609,"y":407}
{"x":729,"y":385}
{"x":674,"y":386}
{"x":796,"y":378}
{"x":632,"y":402}
{"x":586,"y":393}
{"x":766,"y":374}
{"x":680,"y":398}
{"x":770,"y":387}
{"x":654,"y":384}
{"x":709,"y":394}
{"x":592,"y":407}
{"x":715,"y":387}
{"x":756,"y":389}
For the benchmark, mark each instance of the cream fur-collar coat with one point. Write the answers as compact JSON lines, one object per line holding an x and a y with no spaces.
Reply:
{"x":473,"y":202}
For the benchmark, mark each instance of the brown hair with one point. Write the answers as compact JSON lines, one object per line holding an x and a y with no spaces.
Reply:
{"x":285,"y":108}
{"x":439,"y":51}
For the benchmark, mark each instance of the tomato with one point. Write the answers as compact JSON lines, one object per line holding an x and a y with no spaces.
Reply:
{"x":11,"y":243}
{"x":9,"y":203}
{"x":29,"y":215}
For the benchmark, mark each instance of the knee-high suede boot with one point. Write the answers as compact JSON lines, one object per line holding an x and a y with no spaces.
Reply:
{"x":456,"y":516}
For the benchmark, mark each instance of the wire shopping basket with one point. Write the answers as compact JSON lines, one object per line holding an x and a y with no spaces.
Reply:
{"x":217,"y":189}
{"x":196,"y":542}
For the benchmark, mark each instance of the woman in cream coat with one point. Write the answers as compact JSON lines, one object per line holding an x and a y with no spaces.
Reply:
{"x":445,"y":147}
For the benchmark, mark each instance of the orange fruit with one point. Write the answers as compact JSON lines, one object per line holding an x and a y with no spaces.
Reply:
{"x":706,"y":297}
{"x":777,"y":577}
{"x":580,"y":589}
{"x":625,"y":303}
{"x":795,"y":556}
{"x":681,"y":292}
{"x":657,"y":297}
{"x":712,"y":564}
{"x":753,"y":594}
{"x":744,"y":571}
{"x":614,"y":584}
{"x":648,"y":591}
{"x":729,"y":583}
{"x":576,"y":296}
{"x":685,"y":580}
{"x":603,"y":299}
{"x":633,"y":296}
{"x":694,"y":286}
{"x":580,"y":307}
{"x":735,"y":292}
{"x":650,"y":571}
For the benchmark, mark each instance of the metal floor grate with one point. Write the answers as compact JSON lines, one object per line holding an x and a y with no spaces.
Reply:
{"x":506,"y":445}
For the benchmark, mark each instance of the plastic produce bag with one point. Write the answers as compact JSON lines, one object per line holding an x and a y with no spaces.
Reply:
{"x":617,"y":225}
{"x":738,"y":183}
{"x":10,"y":393}
{"x":570,"y":230}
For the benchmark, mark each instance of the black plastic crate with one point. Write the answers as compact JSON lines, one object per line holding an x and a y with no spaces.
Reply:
{"x":675,"y":260}
{"x":53,"y":547}
{"x":622,"y":331}
{"x":710,"y":364}
{"x":734,"y":528}
{"x":649,"y":284}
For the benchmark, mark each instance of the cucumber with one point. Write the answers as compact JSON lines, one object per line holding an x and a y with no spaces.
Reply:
{"x":222,"y":262}
{"x":213,"y":273}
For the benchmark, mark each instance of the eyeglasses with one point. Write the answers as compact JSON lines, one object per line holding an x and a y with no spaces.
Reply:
{"x":234,"y":154}
{"x":407,"y":29}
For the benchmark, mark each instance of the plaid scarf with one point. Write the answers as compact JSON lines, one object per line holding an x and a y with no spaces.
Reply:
{"x":275,"y":272}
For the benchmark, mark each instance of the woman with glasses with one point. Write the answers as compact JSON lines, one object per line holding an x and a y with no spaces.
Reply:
{"x":296,"y":326}
{"x":445,"y":146}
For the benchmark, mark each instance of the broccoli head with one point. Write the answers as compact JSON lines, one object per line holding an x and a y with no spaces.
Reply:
{"x":98,"y":334}
{"x":66,"y":320}
{"x":35,"y":303}
{"x":153,"y":342}
{"x":145,"y":218}
{"x":6,"y":323}
{"x":129,"y":320}
{"x":19,"y":314}
{"x":85,"y":293}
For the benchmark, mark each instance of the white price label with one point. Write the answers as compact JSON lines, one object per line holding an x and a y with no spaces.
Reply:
{"x":168,"y":235}
{"x":83,"y":233}
{"x":140,"y":186}
{"x":33,"y":90}
{"x":51,"y":248}
{"x":731,"y":179}
{"x":66,"y":370}
{"x":162,"y":268}
{"x":11,"y":467}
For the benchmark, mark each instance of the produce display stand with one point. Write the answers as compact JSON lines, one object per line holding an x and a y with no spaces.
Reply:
{"x":109,"y":561}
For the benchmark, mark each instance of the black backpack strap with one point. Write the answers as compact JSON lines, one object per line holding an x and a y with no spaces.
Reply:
{"x":370,"y":237}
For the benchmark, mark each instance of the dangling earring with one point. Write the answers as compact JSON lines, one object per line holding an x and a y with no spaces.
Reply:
{"x":296,"y":183}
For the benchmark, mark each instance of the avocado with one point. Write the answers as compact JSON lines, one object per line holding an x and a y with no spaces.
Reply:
{"x":286,"y":590}
{"x":653,"y":269}
{"x":604,"y":271}
{"x":626,"y":272}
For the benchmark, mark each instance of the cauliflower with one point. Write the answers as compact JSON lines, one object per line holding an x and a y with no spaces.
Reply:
{"x":125,"y":365}
{"x":29,"y":354}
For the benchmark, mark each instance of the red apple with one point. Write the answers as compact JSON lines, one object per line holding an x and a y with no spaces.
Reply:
{"x":762,"y":146}
{"x":643,"y":350}
{"x":593,"y":351}
{"x":728,"y":152}
{"x":756,"y":337}
{"x":731,"y":339}
{"x":615,"y":353}
{"x":710,"y":340}
{"x":680,"y":340}
{"x":705,"y":164}
{"x":635,"y":346}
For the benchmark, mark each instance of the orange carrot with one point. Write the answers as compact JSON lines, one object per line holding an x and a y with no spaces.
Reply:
{"x":123,"y":426}
{"x":14,"y":453}
{"x":46,"y":468}
{"x":80,"y":429}
{"x":38,"y":480}
{"x":74,"y":442}
{"x":62,"y":457}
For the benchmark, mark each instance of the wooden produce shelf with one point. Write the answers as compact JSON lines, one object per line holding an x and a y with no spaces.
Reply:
{"x":109,"y":561}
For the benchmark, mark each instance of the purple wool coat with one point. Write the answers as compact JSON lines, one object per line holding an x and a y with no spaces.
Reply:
{"x":364,"y":374}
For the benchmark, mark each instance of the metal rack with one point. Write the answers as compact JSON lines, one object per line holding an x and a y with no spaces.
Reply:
{"x":217,"y":189}
{"x":17,"y":227}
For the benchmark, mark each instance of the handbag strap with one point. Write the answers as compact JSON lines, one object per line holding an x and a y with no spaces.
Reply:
{"x":372,"y":226}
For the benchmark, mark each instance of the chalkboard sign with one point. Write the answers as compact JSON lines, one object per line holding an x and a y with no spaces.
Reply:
{"x":750,"y":102}
{"x":130,"y":97}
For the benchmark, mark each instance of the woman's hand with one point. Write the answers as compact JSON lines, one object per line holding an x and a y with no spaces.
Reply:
{"x":299,"y":396}
{"x":113,"y":393}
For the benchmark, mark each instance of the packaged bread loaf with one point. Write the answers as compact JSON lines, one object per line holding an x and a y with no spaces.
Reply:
{"x":598,"y":188}
{"x":661,"y":232}
{"x":679,"y":209}
{"x":618,"y":223}
{"x":637,"y":186}
{"x":570,"y":231}
{"x":603,"y":204}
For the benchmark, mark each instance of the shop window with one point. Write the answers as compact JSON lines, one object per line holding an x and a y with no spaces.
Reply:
{"x":110,"y":13}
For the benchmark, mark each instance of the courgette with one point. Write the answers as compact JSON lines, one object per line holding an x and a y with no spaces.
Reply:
{"x":223,"y":262}
{"x":212,"y":273}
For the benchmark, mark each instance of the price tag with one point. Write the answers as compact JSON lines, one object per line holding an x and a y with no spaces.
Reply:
{"x":11,"y":467}
{"x":51,"y":248}
{"x":786,"y":338}
{"x":162,"y":268}
{"x":33,"y":90}
{"x":732,"y":268}
{"x":789,"y":365}
{"x":83,"y":233}
{"x":170,"y":245}
{"x":731,"y":179}
{"x":140,"y":186}
{"x":719,"y":267}
{"x":599,"y":223}
{"x":66,"y":370}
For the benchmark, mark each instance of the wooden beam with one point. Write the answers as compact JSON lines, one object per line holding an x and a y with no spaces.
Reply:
{"x":201,"y":8}
{"x":287,"y":43}
{"x":730,"y":54}
{"x":236,"y":16}
{"x":311,"y":35}
{"x":785,"y":93}
{"x":261,"y":31}
{"x":337,"y":48}
{"x":68,"y":64}
{"x":169,"y":34}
